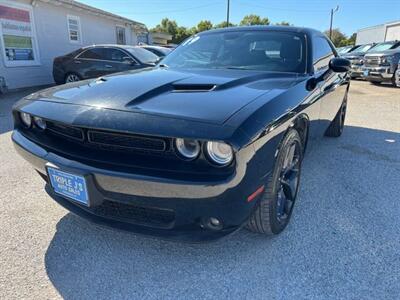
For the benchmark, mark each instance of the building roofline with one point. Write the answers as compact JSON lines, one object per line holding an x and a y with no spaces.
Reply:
{"x":96,"y":11}
{"x":380,"y":25}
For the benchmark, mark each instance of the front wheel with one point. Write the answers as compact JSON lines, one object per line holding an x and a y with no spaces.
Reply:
{"x":72,"y":77}
{"x":274,"y":210}
{"x":396,"y":79}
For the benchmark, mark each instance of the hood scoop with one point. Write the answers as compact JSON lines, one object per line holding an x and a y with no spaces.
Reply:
{"x":191,"y":88}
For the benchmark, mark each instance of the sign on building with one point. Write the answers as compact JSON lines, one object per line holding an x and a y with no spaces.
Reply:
{"x":17,"y":35}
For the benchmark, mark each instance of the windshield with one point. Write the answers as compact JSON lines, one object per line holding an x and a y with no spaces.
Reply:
{"x":164,"y":51}
{"x":344,"y":49}
{"x":142,"y":54}
{"x":382,"y":47}
{"x":247,"y":50}
{"x":364,"y":48}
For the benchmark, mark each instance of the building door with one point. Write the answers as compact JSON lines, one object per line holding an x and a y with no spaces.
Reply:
{"x":121,"y":38}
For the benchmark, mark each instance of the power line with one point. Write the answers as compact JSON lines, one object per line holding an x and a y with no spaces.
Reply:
{"x":165,"y":11}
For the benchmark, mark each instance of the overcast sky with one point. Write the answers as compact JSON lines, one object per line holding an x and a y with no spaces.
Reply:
{"x":352,"y":14}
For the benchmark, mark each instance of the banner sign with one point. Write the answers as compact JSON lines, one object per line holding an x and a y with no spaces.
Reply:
{"x":17,"y":35}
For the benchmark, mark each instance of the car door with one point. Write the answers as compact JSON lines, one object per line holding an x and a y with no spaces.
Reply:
{"x":90,"y":62}
{"x":117,"y":60}
{"x":333,"y":87}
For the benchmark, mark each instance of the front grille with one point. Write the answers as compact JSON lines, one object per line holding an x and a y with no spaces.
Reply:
{"x":126,"y":141}
{"x":107,"y":140}
{"x":356,"y":61}
{"x":372,"y":62}
{"x":155,"y":217}
{"x":64,"y":130}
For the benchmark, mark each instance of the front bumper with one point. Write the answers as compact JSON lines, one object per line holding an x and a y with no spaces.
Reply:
{"x":165,"y":208}
{"x":381,"y":74}
{"x":356,"y":71}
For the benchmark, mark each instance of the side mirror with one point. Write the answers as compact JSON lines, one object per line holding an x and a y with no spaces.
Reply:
{"x":128,"y":60}
{"x":339,"y":65}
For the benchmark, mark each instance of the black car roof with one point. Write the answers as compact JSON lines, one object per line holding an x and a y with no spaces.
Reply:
{"x":308,"y":31}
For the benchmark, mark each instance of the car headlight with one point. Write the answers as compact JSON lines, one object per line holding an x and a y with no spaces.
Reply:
{"x":188,"y":149}
{"x":40,"y":123}
{"x":387,"y":59}
{"x":219,"y":153}
{"x":26,"y":119}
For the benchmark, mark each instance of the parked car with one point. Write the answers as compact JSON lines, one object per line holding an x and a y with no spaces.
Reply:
{"x":99,"y":60}
{"x":356,"y":59}
{"x":347,"y":49}
{"x":205,"y":143}
{"x":157,"y":50}
{"x":382,"y":63}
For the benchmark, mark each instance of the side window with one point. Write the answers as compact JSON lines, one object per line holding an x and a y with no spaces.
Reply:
{"x":93,"y":53}
{"x":114,"y":54}
{"x":322,"y":53}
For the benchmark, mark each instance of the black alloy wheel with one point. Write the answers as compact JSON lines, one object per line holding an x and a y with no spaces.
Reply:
{"x":275,"y":208}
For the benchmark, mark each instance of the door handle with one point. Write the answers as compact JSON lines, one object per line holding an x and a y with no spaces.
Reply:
{"x":108,"y":66}
{"x":78,"y":62}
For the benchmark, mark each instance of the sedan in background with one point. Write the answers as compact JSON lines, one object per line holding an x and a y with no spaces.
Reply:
{"x":157,"y":50}
{"x":99,"y":60}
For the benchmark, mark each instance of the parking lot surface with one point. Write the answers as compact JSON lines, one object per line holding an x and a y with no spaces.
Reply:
{"x":343,"y":241}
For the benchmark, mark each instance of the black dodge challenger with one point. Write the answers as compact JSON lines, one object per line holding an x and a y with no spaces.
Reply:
{"x":210,"y":140}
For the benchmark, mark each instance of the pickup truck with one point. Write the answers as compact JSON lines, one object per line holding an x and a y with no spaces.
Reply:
{"x":381,"y":64}
{"x":356,"y":58}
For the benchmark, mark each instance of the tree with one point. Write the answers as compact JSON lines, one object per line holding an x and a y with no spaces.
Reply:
{"x":166,"y":26}
{"x":352,"y":39}
{"x":283,"y":23}
{"x":254,"y":20}
{"x":203,"y":26}
{"x":223,"y":25}
{"x":338,"y":38}
{"x":182,"y":33}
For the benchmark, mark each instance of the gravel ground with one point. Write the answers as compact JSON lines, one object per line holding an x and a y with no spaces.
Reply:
{"x":343,"y":241}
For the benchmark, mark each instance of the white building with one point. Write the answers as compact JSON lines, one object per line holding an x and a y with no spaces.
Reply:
{"x":379,"y":33}
{"x":34,"y":32}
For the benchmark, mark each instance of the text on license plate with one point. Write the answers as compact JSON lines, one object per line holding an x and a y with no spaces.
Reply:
{"x":69,"y":185}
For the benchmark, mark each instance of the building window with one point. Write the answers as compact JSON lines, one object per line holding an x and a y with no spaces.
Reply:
{"x":18,"y":37}
{"x":121,"y":40}
{"x":74,"y":29}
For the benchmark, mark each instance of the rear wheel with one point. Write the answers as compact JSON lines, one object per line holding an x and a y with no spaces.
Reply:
{"x":72,"y":77}
{"x":274,"y":210}
{"x":335,"y":129}
{"x":395,"y":80}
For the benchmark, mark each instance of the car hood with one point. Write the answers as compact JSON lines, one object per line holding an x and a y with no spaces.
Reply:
{"x":354,"y":55}
{"x":384,"y":53}
{"x":204,"y":95}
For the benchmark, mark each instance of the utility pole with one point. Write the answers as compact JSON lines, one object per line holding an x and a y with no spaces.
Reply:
{"x":227,"y":14}
{"x":332,"y":12}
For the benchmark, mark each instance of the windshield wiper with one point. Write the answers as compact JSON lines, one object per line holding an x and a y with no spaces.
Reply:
{"x":163,"y":66}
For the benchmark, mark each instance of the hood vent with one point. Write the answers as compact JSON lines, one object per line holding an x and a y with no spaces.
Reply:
{"x":182,"y":88}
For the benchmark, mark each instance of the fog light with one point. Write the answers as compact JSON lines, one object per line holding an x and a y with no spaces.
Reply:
{"x":212,"y":223}
{"x":26,"y":119}
{"x":40,"y":123}
{"x":215,"y":222}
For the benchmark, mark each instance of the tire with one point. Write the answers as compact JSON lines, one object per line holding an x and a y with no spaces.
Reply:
{"x":336,"y":127}
{"x":375,"y":82}
{"x":271,"y":215}
{"x":394,"y":80}
{"x":72,"y":77}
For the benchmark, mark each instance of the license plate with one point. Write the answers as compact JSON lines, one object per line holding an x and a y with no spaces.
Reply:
{"x":69,"y":185}
{"x":366,"y":73}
